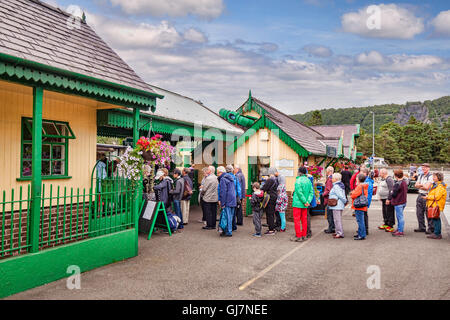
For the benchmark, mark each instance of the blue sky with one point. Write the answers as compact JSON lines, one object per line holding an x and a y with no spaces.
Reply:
{"x":297,"y":55}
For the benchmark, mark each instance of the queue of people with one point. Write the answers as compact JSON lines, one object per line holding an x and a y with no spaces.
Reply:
{"x":225,"y":192}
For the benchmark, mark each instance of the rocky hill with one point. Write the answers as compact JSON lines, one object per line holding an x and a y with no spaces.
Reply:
{"x":430,"y":111}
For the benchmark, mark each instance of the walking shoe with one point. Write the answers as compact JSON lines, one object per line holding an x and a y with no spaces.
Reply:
{"x":269,"y":233}
{"x":328,"y":231}
{"x":257,"y":235}
{"x":382,"y":227}
{"x":389,"y":229}
{"x":359,"y":238}
{"x":433,"y":236}
{"x":228,"y":235}
{"x":282,"y":230}
{"x":208,"y":228}
{"x":295,"y":239}
{"x":338,"y":237}
{"x":419,"y":230}
{"x":429,"y":232}
{"x":398,"y":234}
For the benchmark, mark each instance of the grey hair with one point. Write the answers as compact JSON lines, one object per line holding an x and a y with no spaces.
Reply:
{"x":229,"y":168}
{"x":212,"y":168}
{"x":337,"y":176}
{"x":221,"y":169}
{"x":330,"y":169}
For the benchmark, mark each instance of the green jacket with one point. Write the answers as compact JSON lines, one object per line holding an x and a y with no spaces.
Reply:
{"x":303,"y":192}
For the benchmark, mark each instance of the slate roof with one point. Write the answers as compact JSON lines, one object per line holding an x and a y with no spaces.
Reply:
{"x":177,"y":107}
{"x":307,"y":137}
{"x":33,"y":30}
{"x":335,"y":131}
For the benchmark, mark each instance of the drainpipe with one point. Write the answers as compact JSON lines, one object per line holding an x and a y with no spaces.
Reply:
{"x":36,"y":173}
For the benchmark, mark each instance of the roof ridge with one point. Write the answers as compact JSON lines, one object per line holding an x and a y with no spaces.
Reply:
{"x":56,"y":9}
{"x":268,"y":105}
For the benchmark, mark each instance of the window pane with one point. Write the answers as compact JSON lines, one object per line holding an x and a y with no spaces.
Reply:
{"x":27,"y":151}
{"x":26,"y":133}
{"x":58,"y":152}
{"x":63,"y":130}
{"x":47,"y":139}
{"x":58,"y":168}
{"x":45,"y":151}
{"x":50,"y":128}
{"x":26,"y":168}
{"x":45,"y":168}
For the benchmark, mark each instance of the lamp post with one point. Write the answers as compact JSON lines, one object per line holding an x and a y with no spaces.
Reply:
{"x":373,"y":138}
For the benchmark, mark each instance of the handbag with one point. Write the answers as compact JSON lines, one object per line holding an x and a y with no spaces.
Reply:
{"x":332,"y":202}
{"x":434,"y":212}
{"x":361,"y":201}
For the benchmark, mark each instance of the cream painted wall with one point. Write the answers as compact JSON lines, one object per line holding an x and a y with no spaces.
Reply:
{"x":16,"y":101}
{"x":274,"y":148}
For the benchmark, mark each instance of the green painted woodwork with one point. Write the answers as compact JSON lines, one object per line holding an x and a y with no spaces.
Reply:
{"x":54,"y":79}
{"x":36,"y":163}
{"x":235,"y":118}
{"x":265,"y":122}
{"x":35,"y":269}
{"x":48,"y":141}
{"x":135,"y":126}
{"x":160,"y":209}
{"x":114,"y":123}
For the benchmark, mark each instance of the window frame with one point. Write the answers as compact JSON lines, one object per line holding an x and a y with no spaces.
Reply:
{"x":26,"y":124}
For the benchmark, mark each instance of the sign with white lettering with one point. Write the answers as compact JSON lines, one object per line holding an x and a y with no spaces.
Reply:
{"x":286,"y":172}
{"x":284,"y":163}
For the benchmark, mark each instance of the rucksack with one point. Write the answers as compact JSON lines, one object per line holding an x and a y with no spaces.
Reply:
{"x":187,"y":189}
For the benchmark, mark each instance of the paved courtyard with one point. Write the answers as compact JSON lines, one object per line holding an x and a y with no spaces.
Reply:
{"x":198,"y":264}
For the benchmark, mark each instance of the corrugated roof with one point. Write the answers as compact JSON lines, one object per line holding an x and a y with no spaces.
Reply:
{"x":177,"y":107}
{"x":35,"y":31}
{"x":307,"y":137}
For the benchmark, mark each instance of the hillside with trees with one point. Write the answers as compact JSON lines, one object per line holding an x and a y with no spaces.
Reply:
{"x":414,"y":132}
{"x":431,"y":111}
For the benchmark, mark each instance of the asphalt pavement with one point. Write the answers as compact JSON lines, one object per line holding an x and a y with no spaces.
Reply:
{"x":198,"y":264}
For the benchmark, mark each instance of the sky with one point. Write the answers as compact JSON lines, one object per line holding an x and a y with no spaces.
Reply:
{"x":296,"y":55}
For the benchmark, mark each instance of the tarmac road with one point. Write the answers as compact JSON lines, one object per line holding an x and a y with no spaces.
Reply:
{"x":198,"y":264}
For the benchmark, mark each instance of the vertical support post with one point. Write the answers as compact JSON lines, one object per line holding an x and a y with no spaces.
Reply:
{"x":36,"y":173}
{"x":138,"y":191}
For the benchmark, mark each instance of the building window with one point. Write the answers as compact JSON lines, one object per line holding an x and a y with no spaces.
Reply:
{"x":55,"y":148}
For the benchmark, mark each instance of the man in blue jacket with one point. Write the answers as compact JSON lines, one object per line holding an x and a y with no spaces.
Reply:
{"x":369,"y":181}
{"x":227,"y":199}
{"x":241,"y":178}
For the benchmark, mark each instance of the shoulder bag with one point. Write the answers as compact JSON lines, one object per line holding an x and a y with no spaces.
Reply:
{"x":434,"y":212}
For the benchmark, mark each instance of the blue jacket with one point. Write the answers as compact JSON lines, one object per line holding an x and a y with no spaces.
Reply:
{"x":227,"y":191}
{"x":338,"y":192}
{"x":241,"y":179}
{"x":369,"y":181}
{"x":237,"y":186}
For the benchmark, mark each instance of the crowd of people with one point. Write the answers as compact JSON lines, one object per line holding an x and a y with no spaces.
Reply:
{"x":226,"y":192}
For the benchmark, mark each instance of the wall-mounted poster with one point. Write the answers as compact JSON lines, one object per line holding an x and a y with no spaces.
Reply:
{"x":286,"y":172}
{"x":284,"y":163}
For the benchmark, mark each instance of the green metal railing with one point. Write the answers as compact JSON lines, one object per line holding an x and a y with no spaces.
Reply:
{"x":66,"y":215}
{"x":14,"y":220}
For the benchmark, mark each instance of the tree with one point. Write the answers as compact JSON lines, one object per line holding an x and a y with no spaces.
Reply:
{"x":315,"y":119}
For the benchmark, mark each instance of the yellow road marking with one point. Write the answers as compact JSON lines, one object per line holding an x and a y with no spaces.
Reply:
{"x":277,"y":262}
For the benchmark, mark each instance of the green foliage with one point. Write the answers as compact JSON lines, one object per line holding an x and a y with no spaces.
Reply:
{"x":414,"y":142}
{"x":315,"y":119}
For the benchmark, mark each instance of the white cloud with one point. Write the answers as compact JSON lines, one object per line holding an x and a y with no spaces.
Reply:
{"x":372,"y":58}
{"x":395,"y":23}
{"x":194,"y":35}
{"x":175,"y":8}
{"x":441,"y":23}
{"x":318,"y":51}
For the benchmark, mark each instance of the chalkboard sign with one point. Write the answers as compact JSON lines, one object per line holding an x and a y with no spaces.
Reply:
{"x":153,"y":214}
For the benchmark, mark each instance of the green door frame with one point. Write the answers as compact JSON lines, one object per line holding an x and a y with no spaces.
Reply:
{"x":138,"y":192}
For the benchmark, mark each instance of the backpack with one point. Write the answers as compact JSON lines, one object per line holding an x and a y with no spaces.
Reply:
{"x":362,"y":201}
{"x":173,"y":223}
{"x":187,"y":190}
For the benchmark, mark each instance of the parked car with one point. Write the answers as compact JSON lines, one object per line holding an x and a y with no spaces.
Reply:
{"x":377,"y":163}
{"x":412,"y":186}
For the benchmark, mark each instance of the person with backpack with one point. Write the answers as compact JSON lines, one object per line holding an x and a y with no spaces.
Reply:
{"x":359,"y":204}
{"x":423,"y":184}
{"x":187,"y":194}
{"x":270,"y":187}
{"x":337,"y":202}
{"x":237,"y":187}
{"x":384,"y":190}
{"x":436,"y":199}
{"x":177,"y":194}
{"x":227,"y":201}
{"x":302,"y":197}
{"x":398,"y":198}
{"x":257,"y":208}
{"x":369,"y":181}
